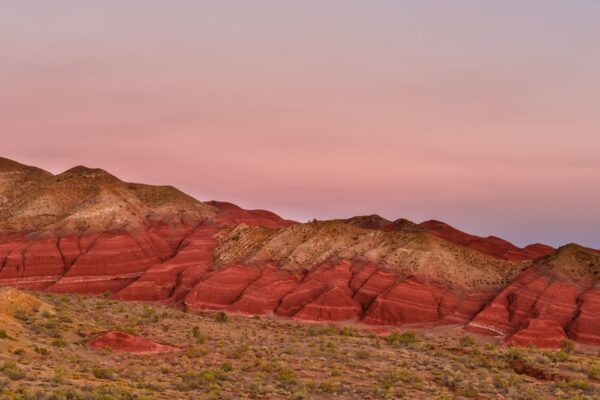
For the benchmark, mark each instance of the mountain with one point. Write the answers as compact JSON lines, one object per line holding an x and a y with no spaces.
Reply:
{"x":86,"y":231}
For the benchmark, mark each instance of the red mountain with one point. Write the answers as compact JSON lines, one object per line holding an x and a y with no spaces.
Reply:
{"x":491,"y":245}
{"x":86,"y":231}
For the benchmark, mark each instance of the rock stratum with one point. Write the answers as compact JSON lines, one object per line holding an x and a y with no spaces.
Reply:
{"x":86,"y":231}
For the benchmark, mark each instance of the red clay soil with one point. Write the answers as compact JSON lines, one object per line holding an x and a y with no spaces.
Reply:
{"x":125,"y":343}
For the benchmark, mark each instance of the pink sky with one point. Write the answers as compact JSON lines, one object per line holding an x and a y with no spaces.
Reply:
{"x":482,"y":115}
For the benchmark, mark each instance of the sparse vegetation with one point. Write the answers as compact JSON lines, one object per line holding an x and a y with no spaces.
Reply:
{"x":266,"y":358}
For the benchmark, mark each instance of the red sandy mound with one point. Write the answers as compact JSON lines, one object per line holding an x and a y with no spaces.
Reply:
{"x":125,"y":343}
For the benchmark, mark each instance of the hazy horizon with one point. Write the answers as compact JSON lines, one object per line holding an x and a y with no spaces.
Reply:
{"x":483,"y":115}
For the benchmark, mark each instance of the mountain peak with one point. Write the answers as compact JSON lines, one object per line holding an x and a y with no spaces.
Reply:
{"x":372,"y":221}
{"x":81,"y":171}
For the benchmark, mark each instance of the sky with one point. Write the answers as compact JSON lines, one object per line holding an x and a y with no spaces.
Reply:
{"x":482,"y":114}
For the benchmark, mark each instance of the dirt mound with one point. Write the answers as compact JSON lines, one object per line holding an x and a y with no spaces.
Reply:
{"x":125,"y":343}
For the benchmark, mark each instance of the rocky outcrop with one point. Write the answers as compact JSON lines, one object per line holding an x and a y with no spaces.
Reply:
{"x":125,"y":343}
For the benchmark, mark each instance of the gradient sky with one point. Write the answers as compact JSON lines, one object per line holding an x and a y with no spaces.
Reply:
{"x":483,"y":114}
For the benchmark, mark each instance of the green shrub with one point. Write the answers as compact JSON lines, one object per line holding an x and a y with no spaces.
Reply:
{"x":200,"y":338}
{"x":227,"y":367}
{"x":12,"y":371}
{"x":59,"y":343}
{"x":466,"y":341}
{"x":194,"y":380}
{"x":41,"y":351}
{"x":287,"y":376}
{"x":319,"y":330}
{"x":567,"y":346}
{"x":221,"y":316}
{"x":593,"y":372}
{"x":403,"y":338}
{"x":102,"y":373}
{"x":349,"y":331}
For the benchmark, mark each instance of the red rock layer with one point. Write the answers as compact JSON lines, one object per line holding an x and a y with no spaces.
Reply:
{"x":317,"y":282}
{"x":507,"y":311}
{"x":221,"y":288}
{"x":335,"y":304}
{"x":409,"y":301}
{"x":586,"y":326}
{"x":193,"y":254}
{"x":112,"y":263}
{"x":126,"y":343}
{"x":31,"y":265}
{"x":544,"y":333}
{"x":378,"y":282}
{"x":264,"y":294}
{"x":467,"y":306}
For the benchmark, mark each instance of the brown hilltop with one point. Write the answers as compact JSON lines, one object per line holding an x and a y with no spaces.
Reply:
{"x":87,"y":199}
{"x":86,"y":231}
